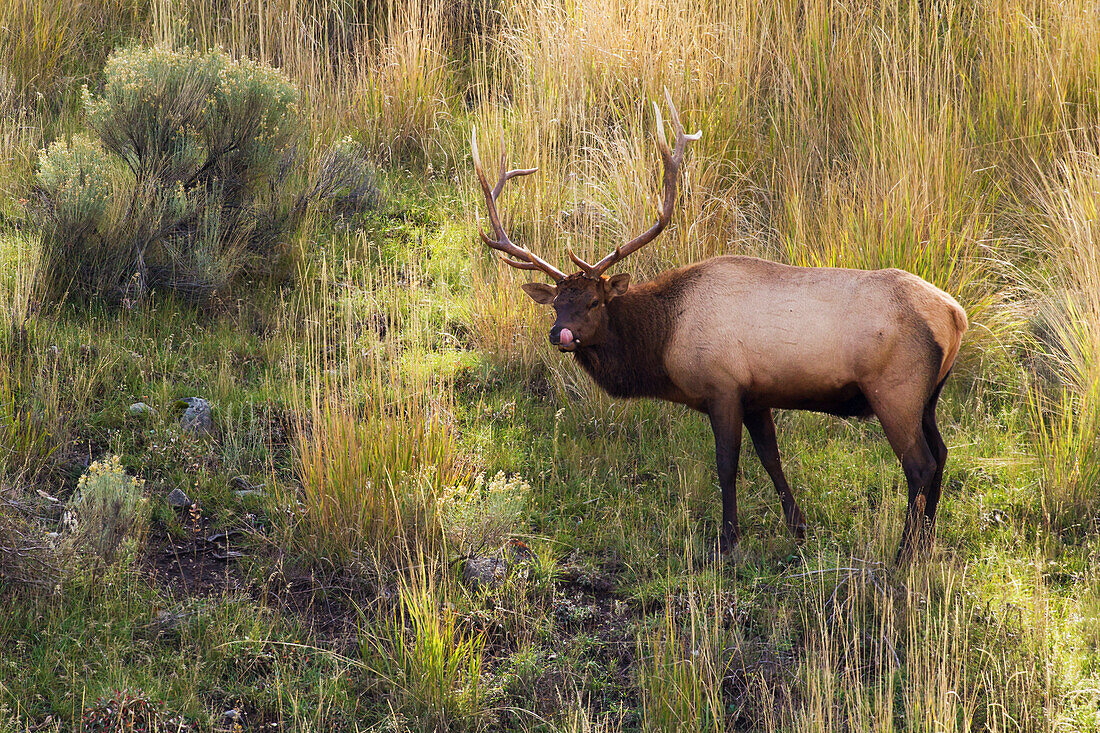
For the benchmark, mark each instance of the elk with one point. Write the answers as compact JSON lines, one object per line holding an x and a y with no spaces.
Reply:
{"x":735,"y":337}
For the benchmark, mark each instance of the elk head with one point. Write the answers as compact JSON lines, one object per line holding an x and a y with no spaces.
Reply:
{"x":580,"y":300}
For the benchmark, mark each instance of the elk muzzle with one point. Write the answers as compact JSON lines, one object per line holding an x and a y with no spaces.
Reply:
{"x":563,"y":338}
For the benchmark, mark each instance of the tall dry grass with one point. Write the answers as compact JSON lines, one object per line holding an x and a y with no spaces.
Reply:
{"x":47,"y":48}
{"x":371,"y":438}
{"x":1065,"y":393}
{"x":865,"y":650}
{"x":403,"y":91}
{"x":883,"y":654}
{"x":865,"y":135}
{"x":836,"y":135}
{"x":19,"y":264}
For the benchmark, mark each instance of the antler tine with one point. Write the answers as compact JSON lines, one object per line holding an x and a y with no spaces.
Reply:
{"x":516,"y":256}
{"x":517,"y":264}
{"x":662,"y":141}
{"x":675,"y":115}
{"x":507,"y":175}
{"x":589,"y":269}
{"x":672,"y":160}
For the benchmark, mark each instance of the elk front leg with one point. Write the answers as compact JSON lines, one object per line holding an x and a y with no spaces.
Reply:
{"x":762,"y":431}
{"x":725,"y":421}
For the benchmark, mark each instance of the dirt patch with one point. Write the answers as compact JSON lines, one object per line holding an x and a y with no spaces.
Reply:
{"x":329,"y":604}
{"x":200,"y":565}
{"x":592,"y":652}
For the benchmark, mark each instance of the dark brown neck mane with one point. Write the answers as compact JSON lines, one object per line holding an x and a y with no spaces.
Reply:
{"x":630,"y":361}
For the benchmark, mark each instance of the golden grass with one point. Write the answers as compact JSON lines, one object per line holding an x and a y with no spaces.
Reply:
{"x":1065,"y":394}
{"x":371,"y":440}
{"x":838,"y":136}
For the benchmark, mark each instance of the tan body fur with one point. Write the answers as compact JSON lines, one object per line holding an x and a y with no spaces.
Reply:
{"x":793,"y":337}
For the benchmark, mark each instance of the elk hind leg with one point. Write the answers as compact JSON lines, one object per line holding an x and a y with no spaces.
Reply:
{"x":762,"y":431}
{"x":939,"y":453}
{"x":903,"y":422}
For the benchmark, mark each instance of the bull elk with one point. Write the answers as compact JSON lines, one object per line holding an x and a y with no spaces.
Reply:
{"x":734,"y":337}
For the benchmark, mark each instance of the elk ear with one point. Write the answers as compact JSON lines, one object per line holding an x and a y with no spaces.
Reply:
{"x":541,"y":293}
{"x":617,"y":284}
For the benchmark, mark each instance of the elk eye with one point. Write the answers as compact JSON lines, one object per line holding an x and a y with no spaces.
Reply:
{"x":593,"y":304}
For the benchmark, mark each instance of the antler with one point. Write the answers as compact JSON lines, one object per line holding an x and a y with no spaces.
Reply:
{"x":672,"y":160}
{"x":513,"y":254}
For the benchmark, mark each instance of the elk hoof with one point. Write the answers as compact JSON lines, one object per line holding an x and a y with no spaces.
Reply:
{"x":917,"y":549}
{"x":715,"y":556}
{"x":728,"y":549}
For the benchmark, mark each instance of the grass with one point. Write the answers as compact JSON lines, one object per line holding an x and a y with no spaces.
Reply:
{"x":357,"y":407}
{"x":1064,"y":401}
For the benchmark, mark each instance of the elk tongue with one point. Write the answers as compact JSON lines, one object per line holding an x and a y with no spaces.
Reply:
{"x":565,"y":337}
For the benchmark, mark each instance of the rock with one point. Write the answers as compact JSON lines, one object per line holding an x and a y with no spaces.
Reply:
{"x":178,"y":498}
{"x":140,"y":409}
{"x":197,"y":417}
{"x":245,"y":488}
{"x":484,"y":572}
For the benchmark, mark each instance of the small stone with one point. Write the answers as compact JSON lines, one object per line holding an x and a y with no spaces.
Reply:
{"x":197,"y":416}
{"x":484,"y":572}
{"x":245,"y":488}
{"x":140,"y":409}
{"x":178,"y":498}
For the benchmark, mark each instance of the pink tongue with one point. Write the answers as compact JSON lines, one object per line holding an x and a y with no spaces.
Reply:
{"x":565,"y":337}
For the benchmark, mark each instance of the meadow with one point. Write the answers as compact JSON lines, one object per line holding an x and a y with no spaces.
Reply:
{"x":388,"y":417}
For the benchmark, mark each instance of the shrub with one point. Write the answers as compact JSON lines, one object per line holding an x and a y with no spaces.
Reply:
{"x":186,"y":185}
{"x":479,"y":515}
{"x":345,"y":184}
{"x":108,"y":512}
{"x":130,"y":711}
{"x":77,"y":182}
